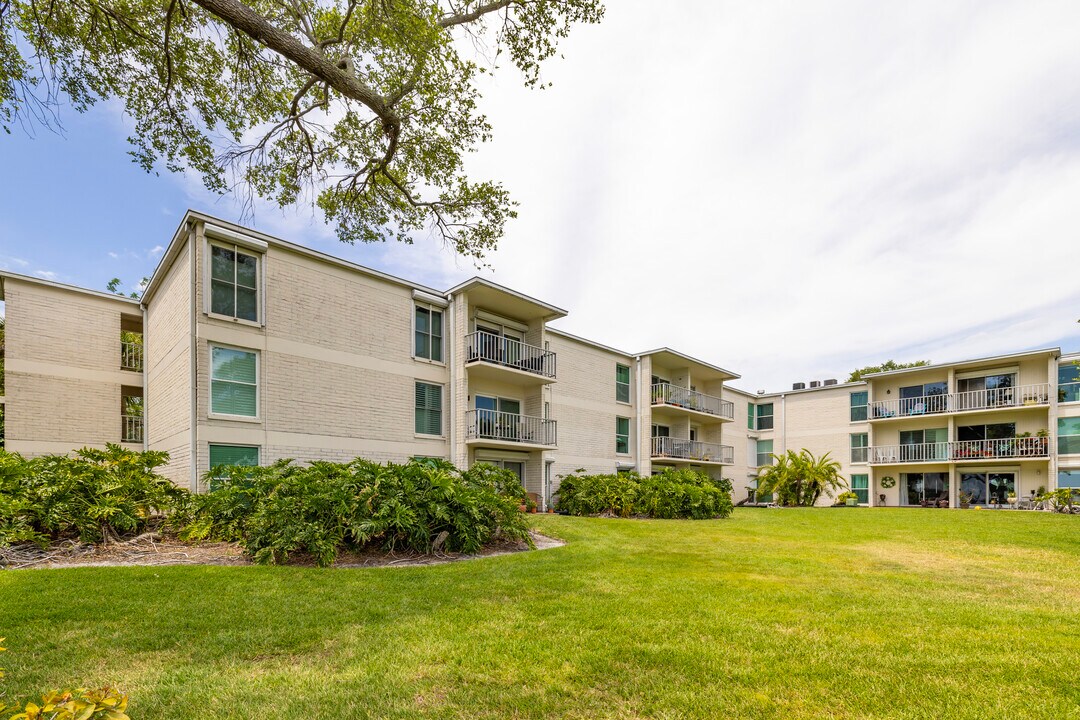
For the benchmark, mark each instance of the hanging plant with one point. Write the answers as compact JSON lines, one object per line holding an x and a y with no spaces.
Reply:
{"x":888,"y":481}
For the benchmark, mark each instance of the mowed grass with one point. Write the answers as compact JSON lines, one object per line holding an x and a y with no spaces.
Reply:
{"x":826,"y":613}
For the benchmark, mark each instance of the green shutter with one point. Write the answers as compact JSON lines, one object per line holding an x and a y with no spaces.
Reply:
{"x":428,"y":409}
{"x":622,"y":383}
{"x":749,"y":416}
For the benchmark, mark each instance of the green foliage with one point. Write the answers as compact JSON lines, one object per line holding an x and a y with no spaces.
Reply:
{"x":284,"y":509}
{"x":857,"y":375}
{"x":843,"y":497}
{"x":799,"y":478}
{"x":364,"y":108}
{"x":81,"y":704}
{"x":671,"y":494}
{"x":1062,"y":500}
{"x":96,"y":496}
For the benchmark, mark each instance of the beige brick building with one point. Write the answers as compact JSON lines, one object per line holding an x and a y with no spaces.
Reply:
{"x":255,"y":349}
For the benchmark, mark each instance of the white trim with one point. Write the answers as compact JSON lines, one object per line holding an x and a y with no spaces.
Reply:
{"x":260,"y":283}
{"x":441,"y":309}
{"x":423,"y":297}
{"x":234,"y":237}
{"x":443,"y":415}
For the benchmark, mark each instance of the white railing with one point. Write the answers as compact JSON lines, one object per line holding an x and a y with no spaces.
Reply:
{"x":1036,"y":394}
{"x":677,"y":448}
{"x":509,"y":427}
{"x":960,"y":450}
{"x":668,"y":394}
{"x":492,"y":348}
{"x":131,"y":356}
{"x":131,"y":430}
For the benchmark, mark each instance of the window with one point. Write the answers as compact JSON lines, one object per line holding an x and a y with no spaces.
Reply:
{"x":922,"y":445}
{"x":234,"y":388}
{"x":859,"y":442}
{"x":764,"y":453}
{"x":228,"y":455}
{"x":622,"y":383}
{"x":622,"y":435}
{"x":1069,"y":382}
{"x":765,"y":416}
{"x":750,"y":416}
{"x":1069,"y":479}
{"x":234,"y":283}
{"x":925,"y":489}
{"x":983,"y":488}
{"x":859,"y":401}
{"x":428,"y":409}
{"x":429,"y":333}
{"x":922,"y":399}
{"x":860,"y":485}
{"x":1069,"y":436}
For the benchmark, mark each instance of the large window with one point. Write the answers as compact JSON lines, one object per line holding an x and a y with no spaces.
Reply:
{"x":1069,"y":382}
{"x":1069,"y":436}
{"x":860,"y":485}
{"x":622,"y":435}
{"x":1069,"y":478}
{"x":764,"y":453}
{"x":429,"y":333}
{"x":234,"y":282}
{"x":922,"y":445}
{"x":622,"y":383}
{"x":428,"y":409}
{"x":981,"y":488}
{"x":923,"y":399}
{"x":986,"y":391}
{"x":765,"y":416}
{"x":234,"y":382}
{"x":926,"y":489}
{"x":859,"y":443}
{"x":859,"y":401}
{"x":229,"y":455}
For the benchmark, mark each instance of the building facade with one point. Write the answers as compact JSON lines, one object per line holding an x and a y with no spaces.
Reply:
{"x":249,"y":349}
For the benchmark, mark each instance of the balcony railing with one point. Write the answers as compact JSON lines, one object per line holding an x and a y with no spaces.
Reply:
{"x":509,"y":352}
{"x":960,"y":450}
{"x":1005,"y":397}
{"x":131,"y":430}
{"x":668,"y":394}
{"x":509,"y":427}
{"x":679,"y":449}
{"x":131,"y":356}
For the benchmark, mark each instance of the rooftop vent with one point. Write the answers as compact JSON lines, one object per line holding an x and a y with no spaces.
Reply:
{"x":815,"y":383}
{"x":830,"y":381}
{"x":798,"y":386}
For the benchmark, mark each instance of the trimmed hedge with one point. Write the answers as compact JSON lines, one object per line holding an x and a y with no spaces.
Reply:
{"x":672,"y":494}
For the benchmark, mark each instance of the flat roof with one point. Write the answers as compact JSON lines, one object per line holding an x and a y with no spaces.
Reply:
{"x":966,"y":363}
{"x":475,"y":282}
{"x":683,"y":356}
{"x":5,"y":274}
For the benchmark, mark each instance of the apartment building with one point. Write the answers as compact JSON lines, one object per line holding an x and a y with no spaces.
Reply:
{"x":247,"y":348}
{"x":255,"y":349}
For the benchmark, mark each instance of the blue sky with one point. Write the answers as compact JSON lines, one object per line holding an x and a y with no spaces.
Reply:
{"x":789,"y":191}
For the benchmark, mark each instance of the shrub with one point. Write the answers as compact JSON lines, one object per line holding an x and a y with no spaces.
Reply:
{"x":96,"y":496}
{"x":1062,"y":500}
{"x":82,"y":704}
{"x":671,"y":494}
{"x":282,"y":509}
{"x":843,"y":497}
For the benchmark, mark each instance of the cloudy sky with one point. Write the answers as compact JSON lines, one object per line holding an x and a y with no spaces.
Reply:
{"x":788,"y":190}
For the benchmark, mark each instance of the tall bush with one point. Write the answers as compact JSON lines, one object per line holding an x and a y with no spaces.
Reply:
{"x":671,"y":494}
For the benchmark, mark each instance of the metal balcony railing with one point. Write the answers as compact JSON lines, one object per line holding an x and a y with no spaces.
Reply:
{"x":679,"y":449}
{"x":1020,"y":395}
{"x":131,"y":356}
{"x":509,"y":352}
{"x":131,"y":430}
{"x":509,"y":427}
{"x":959,"y":450}
{"x":668,"y":394}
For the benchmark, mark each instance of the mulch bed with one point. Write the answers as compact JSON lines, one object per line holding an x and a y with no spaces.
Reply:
{"x":155,"y":549}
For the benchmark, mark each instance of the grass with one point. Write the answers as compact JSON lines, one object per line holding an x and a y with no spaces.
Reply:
{"x":770,"y":614}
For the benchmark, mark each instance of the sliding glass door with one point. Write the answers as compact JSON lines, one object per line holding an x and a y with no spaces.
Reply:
{"x":988,"y":487}
{"x":924,"y":489}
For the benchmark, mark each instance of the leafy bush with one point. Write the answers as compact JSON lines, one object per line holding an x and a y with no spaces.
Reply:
{"x":672,"y":494}
{"x":95,"y":496}
{"x":81,"y":704}
{"x":1062,"y":500}
{"x":843,"y":497}
{"x":284,"y":508}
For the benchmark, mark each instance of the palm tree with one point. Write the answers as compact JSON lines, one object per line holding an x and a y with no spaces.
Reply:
{"x":799,"y":478}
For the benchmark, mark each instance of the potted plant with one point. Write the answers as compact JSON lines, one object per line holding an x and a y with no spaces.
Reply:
{"x":848,"y":498}
{"x":965,"y":499}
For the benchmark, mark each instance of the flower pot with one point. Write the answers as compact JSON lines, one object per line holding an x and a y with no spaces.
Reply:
{"x":851,"y":502}
{"x":522,"y":507}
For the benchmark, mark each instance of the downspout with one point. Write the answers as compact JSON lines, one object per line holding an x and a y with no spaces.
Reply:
{"x":145,"y":371}
{"x":193,"y":361}
{"x":637,"y":414}
{"x":452,"y":368}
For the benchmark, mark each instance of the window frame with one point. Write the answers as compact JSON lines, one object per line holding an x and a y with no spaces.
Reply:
{"x":770,"y":416}
{"x":210,"y":412}
{"x":864,"y":406}
{"x":863,"y":493}
{"x":758,"y":453}
{"x":260,"y":280}
{"x":619,"y":384}
{"x":431,"y":308}
{"x":624,"y":436}
{"x":1065,"y":388}
{"x":865,"y":448}
{"x":1061,"y":422}
{"x":442,"y":409}
{"x":210,"y":464}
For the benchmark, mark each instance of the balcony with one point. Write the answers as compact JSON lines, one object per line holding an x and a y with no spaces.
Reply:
{"x":1037,"y":395}
{"x":666,"y":394}
{"x":960,"y":451}
{"x":131,"y":356}
{"x":131,"y":430}
{"x":507,"y":359}
{"x":679,"y":450}
{"x":501,"y":429}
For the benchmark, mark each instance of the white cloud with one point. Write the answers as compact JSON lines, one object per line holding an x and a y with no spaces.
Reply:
{"x":47,"y":275}
{"x":114,"y":256}
{"x":788,"y":190}
{"x":155,"y":251}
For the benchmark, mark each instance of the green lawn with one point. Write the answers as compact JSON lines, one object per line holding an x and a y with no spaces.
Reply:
{"x":838,"y":613}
